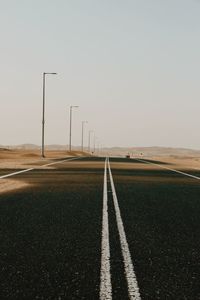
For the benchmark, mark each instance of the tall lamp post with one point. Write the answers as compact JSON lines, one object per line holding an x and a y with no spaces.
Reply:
{"x":70,"y":126}
{"x":43,"y":108}
{"x":82,"y":137}
{"x":95,"y":139}
{"x":89,"y":137}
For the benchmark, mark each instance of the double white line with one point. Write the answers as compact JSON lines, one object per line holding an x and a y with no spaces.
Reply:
{"x":105,"y":284}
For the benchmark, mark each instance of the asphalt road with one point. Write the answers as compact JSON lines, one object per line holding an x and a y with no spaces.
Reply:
{"x":51,"y":232}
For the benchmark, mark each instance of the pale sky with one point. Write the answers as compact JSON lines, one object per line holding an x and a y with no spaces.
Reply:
{"x":133,"y":67}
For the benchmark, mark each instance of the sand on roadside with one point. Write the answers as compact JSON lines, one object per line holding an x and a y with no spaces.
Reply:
{"x":180,"y":162}
{"x":7,"y":185}
{"x":24,"y":159}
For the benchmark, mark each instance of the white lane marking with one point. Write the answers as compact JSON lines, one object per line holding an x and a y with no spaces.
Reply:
{"x":133,"y":288}
{"x":15,"y":173}
{"x":46,"y":165}
{"x":173,"y":170}
{"x":105,"y":283}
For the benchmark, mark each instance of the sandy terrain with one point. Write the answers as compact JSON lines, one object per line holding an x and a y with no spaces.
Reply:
{"x":21,"y":159}
{"x":187,"y":163}
{"x":10,"y":184}
{"x":24,"y":159}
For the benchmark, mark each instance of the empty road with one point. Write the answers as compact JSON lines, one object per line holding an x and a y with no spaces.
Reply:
{"x":100,"y":228}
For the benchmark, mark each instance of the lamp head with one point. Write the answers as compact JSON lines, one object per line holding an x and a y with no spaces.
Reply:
{"x":49,"y":73}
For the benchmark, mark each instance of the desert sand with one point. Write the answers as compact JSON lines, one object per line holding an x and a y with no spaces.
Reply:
{"x":16,"y":160}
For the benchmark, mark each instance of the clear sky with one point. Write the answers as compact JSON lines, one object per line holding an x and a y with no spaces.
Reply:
{"x":133,"y":67}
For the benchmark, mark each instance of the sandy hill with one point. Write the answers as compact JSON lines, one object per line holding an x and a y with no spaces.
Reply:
{"x":115,"y":151}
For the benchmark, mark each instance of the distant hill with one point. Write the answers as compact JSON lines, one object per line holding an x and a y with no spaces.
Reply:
{"x":26,"y":147}
{"x":152,"y":151}
{"x":36,"y":147}
{"x":118,"y":151}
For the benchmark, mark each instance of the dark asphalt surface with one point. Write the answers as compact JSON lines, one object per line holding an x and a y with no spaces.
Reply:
{"x":50,"y":232}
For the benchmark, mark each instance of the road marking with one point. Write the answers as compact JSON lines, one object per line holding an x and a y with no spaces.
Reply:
{"x":105,"y":277}
{"x":46,"y":165}
{"x":15,"y":173}
{"x":133,"y":288}
{"x":173,"y":170}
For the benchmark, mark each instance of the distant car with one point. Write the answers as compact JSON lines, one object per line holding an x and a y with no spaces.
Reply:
{"x":128,"y":156}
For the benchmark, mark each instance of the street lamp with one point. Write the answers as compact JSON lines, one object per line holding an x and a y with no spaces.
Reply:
{"x":90,"y":131}
{"x":83,"y":123}
{"x":43,"y":108}
{"x":70,"y":126}
{"x":95,"y":139}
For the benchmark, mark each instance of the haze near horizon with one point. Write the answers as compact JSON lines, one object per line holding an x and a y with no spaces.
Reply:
{"x":131,"y":66}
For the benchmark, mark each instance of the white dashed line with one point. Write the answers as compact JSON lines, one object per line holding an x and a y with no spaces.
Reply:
{"x":46,"y":165}
{"x":133,"y":288}
{"x":163,"y":167}
{"x":105,"y":277}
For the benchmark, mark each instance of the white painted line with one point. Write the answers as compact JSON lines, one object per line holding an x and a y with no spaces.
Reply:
{"x":15,"y":173}
{"x":173,"y":170}
{"x":46,"y":165}
{"x":105,"y":277}
{"x":133,"y":288}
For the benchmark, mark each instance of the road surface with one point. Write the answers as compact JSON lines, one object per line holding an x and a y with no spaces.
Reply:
{"x":92,"y":228}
